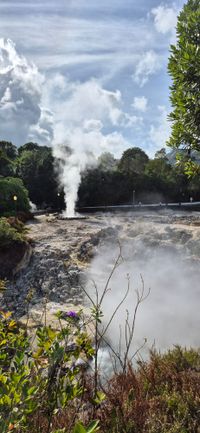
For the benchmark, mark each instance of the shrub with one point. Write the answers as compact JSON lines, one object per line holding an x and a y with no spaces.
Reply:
{"x":161,"y":396}
{"x":36,"y":385}
{"x":11,"y":232}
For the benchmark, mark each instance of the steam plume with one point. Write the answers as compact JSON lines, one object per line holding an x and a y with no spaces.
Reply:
{"x":80,"y":117}
{"x":88,"y":108}
{"x":170,"y":314}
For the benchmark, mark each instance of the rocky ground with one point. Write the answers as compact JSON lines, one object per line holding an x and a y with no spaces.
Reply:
{"x":63,"y":249}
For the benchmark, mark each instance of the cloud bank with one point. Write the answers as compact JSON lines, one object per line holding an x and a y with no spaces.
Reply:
{"x":22,"y":116}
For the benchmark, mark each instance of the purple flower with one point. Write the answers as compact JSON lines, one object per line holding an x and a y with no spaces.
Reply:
{"x":69,"y":315}
{"x":72,"y":314}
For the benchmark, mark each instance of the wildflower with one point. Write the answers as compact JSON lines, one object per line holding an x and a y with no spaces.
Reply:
{"x":69,"y":315}
{"x":72,"y":314}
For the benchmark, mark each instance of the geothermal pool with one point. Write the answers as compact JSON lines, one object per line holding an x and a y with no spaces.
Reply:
{"x":161,"y":249}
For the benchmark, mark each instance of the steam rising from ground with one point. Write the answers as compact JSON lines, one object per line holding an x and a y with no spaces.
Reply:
{"x":170,"y":314}
{"x":88,"y":110}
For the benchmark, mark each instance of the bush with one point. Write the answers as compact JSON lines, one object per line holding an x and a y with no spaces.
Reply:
{"x":38,"y":383}
{"x":11,"y":231}
{"x":160,"y":396}
{"x":43,"y":387}
{"x":10,"y":187}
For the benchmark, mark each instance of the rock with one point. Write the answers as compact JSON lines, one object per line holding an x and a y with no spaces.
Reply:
{"x":14,"y":259}
{"x":63,"y":250}
{"x":45,"y":313}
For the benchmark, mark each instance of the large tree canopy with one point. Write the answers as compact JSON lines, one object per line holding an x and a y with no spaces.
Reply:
{"x":35,"y":166}
{"x":184,"y":68}
{"x":133,"y":161}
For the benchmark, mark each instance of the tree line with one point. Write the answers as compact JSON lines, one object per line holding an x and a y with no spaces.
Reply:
{"x":28,"y":171}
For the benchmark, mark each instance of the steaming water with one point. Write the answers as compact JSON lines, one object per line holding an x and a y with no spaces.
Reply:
{"x":170,"y":314}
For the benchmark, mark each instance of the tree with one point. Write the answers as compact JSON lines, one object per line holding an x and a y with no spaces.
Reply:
{"x":8,"y":149}
{"x":161,"y":154}
{"x":184,"y":68}
{"x":35,"y":167}
{"x":8,"y":154}
{"x":28,"y":146}
{"x":133,"y":161}
{"x":6,"y":165}
{"x":11,"y":188}
{"x":107,"y":162}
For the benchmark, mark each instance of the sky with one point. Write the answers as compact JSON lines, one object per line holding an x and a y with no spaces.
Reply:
{"x":86,"y":71}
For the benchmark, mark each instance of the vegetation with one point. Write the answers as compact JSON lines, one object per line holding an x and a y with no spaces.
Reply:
{"x":13,"y":196}
{"x":43,"y":387}
{"x":161,"y":396}
{"x":11,"y":231}
{"x":132,"y":178}
{"x":38,"y":386}
{"x":48,"y":384}
{"x":184,"y":67}
{"x":35,"y":166}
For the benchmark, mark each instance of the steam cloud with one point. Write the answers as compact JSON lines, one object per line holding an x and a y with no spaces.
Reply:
{"x":87,"y":110}
{"x":170,"y":314}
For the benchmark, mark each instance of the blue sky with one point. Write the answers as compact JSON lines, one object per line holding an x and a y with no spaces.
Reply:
{"x":86,"y":68}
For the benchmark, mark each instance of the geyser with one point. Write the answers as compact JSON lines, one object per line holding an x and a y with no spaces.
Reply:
{"x":69,"y":166}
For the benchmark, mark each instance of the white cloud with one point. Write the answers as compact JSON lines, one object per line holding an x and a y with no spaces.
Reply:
{"x":165,"y":18}
{"x":76,"y":111}
{"x":148,"y":64}
{"x":160,"y":133}
{"x":140,"y":103}
{"x":20,"y":98}
{"x":106,"y":45}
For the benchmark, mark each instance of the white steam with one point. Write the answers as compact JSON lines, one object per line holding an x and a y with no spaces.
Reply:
{"x":88,"y":109}
{"x":170,"y":314}
{"x":81,"y":117}
{"x":22,"y":117}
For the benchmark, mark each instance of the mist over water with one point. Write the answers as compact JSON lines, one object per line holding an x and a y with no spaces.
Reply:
{"x":170,"y":314}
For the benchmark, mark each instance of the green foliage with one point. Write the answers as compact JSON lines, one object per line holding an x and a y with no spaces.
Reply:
{"x":92,"y":428}
{"x":79,"y":428}
{"x":133,"y":161}
{"x":43,"y":389}
{"x":10,"y":187}
{"x":8,"y":153}
{"x":184,"y":68}
{"x":36,"y":384}
{"x":11,"y":232}
{"x":35,"y":166}
{"x":9,"y":149}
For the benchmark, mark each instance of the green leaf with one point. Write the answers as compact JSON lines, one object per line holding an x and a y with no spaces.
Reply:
{"x":93,"y":427}
{"x":79,"y":428}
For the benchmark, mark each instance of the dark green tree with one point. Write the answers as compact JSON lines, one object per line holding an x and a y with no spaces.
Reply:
{"x":28,"y":146}
{"x":9,"y":149}
{"x":13,"y":196}
{"x":184,"y":68}
{"x":35,"y":167}
{"x":133,"y":161}
{"x":8,"y":154}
